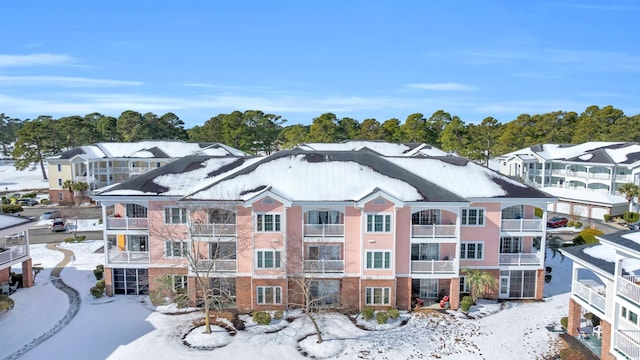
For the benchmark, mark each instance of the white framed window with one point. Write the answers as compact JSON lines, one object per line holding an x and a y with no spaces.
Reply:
{"x":629,"y":315}
{"x":59,"y":167}
{"x":174,"y":215}
{"x":267,"y":222}
{"x":513,"y":212}
{"x":426,"y":217}
{"x":269,"y":294}
{"x":510,"y":244}
{"x":173,"y":248}
{"x":379,"y":223}
{"x":178,"y":282}
{"x":378,"y":259}
{"x":377,"y":296}
{"x":473,"y":217}
{"x":464,"y":285}
{"x":59,"y":182}
{"x":268,"y":259}
{"x":472,"y":250}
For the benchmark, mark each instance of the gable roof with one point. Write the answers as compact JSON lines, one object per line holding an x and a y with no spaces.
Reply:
{"x":596,"y":152}
{"x":578,"y":252}
{"x":165,"y":149}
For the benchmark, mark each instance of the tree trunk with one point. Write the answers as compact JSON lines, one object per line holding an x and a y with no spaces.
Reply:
{"x":207,"y":318}
{"x":315,"y":327}
{"x":44,"y":173}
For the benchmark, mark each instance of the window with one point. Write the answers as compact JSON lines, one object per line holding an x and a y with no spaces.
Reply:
{"x":513,"y":212}
{"x":59,"y":167}
{"x":222,"y":250}
{"x":323,"y":217}
{"x":379,"y":223}
{"x":174,"y":248}
{"x":269,"y":294}
{"x":378,"y":259}
{"x":629,"y":316}
{"x":464,"y":285}
{"x":59,"y":182}
{"x":221,"y":216}
{"x":426,"y":217}
{"x":268,"y":259}
{"x":377,"y":296}
{"x":267,"y":222}
{"x":473,"y":216}
{"x":175,"y":216}
{"x":177,"y":282}
{"x":324,"y":252}
{"x":60,"y":196}
{"x":136,"y":211}
{"x":325,"y":292}
{"x":472,"y":251}
{"x":510,"y":245}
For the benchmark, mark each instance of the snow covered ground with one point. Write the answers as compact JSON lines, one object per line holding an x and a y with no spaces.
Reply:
{"x":12,"y":180}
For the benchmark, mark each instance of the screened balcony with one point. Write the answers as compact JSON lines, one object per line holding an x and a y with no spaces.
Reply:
{"x":128,"y":217}
{"x":433,"y":223}
{"x":323,"y":258}
{"x":323,"y":224}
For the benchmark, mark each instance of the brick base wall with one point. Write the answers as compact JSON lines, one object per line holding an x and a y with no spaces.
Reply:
{"x":155,"y":281}
{"x":269,"y":282}
{"x":243,"y":294}
{"x":27,"y":273}
{"x":540,"y":284}
{"x":454,"y":293}
{"x":607,"y":336}
{"x":108,"y":281}
{"x":403,"y":293}
{"x":4,"y":275}
{"x":575,"y":314}
{"x":379,"y":283}
{"x":351,"y":293}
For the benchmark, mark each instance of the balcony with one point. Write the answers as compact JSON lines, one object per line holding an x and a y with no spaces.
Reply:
{"x":126,"y":223}
{"x":215,"y":230}
{"x":433,"y":267}
{"x":323,"y":230}
{"x":433,"y":231}
{"x":12,"y":253}
{"x":627,"y":342}
{"x":624,"y":178}
{"x":128,"y":257}
{"x":216,"y":266}
{"x":324,"y":266}
{"x":629,"y":287}
{"x":590,"y":292}
{"x":522,"y":225}
{"x":520,"y":259}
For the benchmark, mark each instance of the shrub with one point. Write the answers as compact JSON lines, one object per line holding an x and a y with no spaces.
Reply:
{"x":12,"y":208}
{"x":570,"y":224}
{"x":382,"y":317}
{"x":564,"y":322}
{"x":578,"y":225}
{"x":578,"y":240}
{"x":98,"y":272}
{"x":607,"y":217}
{"x":278,"y":315}
{"x":631,"y":216}
{"x":96,"y":292}
{"x":261,"y":318}
{"x":595,"y":320}
{"x":6,"y":303}
{"x":589,"y":235}
{"x":466,"y":303}
{"x":394,"y":313}
{"x":44,"y":202}
{"x":367,"y":313}
{"x":101,"y":284}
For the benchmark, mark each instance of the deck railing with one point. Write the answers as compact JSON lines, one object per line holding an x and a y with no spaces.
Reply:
{"x":216,"y":265}
{"x":591,"y":296}
{"x":520,"y":259}
{"x":629,"y":288}
{"x":323,"y":230}
{"x":117,"y":256}
{"x":127,"y":223}
{"x":433,"y":267}
{"x":324,"y":266}
{"x":12,"y":253}
{"x":215,"y":230}
{"x":522,"y":225}
{"x":433,"y":231}
{"x":628,"y":343}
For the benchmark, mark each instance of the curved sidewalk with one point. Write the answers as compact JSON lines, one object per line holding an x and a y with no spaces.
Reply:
{"x":74,"y":303}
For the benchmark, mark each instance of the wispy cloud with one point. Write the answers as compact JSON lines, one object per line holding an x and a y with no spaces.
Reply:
{"x":35,"y":60}
{"x":448,"y":86}
{"x":531,"y":107}
{"x":63,"y":81}
{"x":605,"y":6}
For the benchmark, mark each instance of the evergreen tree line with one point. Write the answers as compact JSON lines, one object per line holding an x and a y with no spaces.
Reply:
{"x":256,"y":132}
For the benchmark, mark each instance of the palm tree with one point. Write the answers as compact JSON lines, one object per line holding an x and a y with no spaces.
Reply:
{"x":68,"y":185}
{"x":553,"y":244}
{"x":480,"y":282}
{"x":81,"y":187}
{"x":630,"y":190}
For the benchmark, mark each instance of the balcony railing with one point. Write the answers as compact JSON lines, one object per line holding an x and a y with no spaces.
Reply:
{"x":12,"y":253}
{"x":128,"y":257}
{"x":433,"y":267}
{"x":433,"y":231}
{"x":522,"y":225}
{"x":628,"y":343}
{"x":324,"y":266}
{"x":600,"y":176}
{"x":215,"y":230}
{"x":520,"y":259}
{"x":624,"y":178}
{"x":324,"y":230}
{"x":127,"y":223}
{"x":217,"y":265}
{"x":629,"y":288}
{"x":590,"y":295}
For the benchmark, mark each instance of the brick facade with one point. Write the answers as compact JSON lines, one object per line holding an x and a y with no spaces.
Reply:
{"x":607,"y":334}
{"x":403,"y":293}
{"x":391,"y":284}
{"x":575,"y":314}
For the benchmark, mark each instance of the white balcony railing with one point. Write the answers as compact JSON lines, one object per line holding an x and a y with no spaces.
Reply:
{"x":433,"y":231}
{"x":128,"y":257}
{"x":126,"y":223}
{"x":324,"y":266}
{"x":522,"y":225}
{"x":217,"y":265}
{"x":324,"y":230}
{"x":628,"y":286}
{"x":590,"y":295}
{"x":433,"y":267}
{"x":600,"y":176}
{"x":624,"y":178}
{"x":12,"y":253}
{"x":628,"y":343}
{"x":215,"y":230}
{"x":520,"y":259}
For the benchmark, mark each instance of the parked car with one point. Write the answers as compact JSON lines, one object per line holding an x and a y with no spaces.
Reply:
{"x":59,"y":225}
{"x":28,"y":202}
{"x":51,"y":214}
{"x":634,"y":226}
{"x":557,"y":221}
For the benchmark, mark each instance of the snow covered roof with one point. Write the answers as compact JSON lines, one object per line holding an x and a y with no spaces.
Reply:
{"x":592,"y":197}
{"x":590,"y":152}
{"x":9,"y":223}
{"x":603,"y":257}
{"x":629,"y":240}
{"x":149,"y":149}
{"x":382,"y":147}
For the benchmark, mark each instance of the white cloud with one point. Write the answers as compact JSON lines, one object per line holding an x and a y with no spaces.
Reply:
{"x":65,"y":81}
{"x":448,"y":86}
{"x":35,"y":60}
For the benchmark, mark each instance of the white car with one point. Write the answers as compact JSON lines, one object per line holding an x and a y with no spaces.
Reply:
{"x":634,"y":226}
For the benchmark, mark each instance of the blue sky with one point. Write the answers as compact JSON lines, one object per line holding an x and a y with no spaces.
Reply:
{"x":299,"y":59}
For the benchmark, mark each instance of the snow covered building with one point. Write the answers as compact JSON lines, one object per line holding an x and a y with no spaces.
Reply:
{"x":585,"y":178}
{"x":368,"y":223}
{"x":107,"y":163}
{"x":14,"y":249}
{"x":606,"y":283}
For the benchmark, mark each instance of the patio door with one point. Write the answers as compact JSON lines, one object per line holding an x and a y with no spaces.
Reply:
{"x":504,"y":284}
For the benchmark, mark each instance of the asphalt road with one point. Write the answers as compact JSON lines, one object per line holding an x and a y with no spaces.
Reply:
{"x":43,"y":235}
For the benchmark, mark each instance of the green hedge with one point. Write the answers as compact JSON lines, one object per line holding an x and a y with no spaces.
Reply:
{"x":12,"y":208}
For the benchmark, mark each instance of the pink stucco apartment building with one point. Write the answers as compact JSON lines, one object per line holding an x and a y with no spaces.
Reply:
{"x":365,"y":223}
